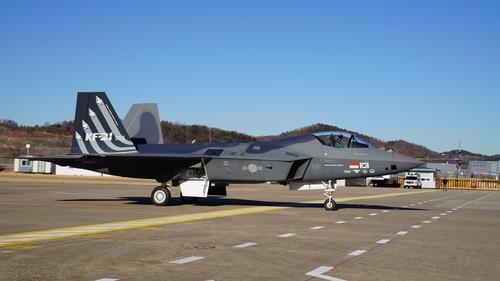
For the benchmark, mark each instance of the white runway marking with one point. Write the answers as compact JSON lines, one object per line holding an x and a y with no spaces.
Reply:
{"x":416,"y":226}
{"x":316,"y":227}
{"x":426,"y":221}
{"x":186,"y":260}
{"x":245,"y":245}
{"x":442,"y":214}
{"x":286,"y":235}
{"x":107,"y":279}
{"x":358,"y":218}
{"x":357,"y":253}
{"x":373,"y":214}
{"x":385,"y":211}
{"x":435,"y":218}
{"x":402,"y":232}
{"x":419,"y":203}
{"x":320,"y":270}
{"x":383,"y":241}
{"x":412,"y":205}
{"x":404,"y":206}
{"x":449,"y":211}
{"x":318,"y":273}
{"x":6,"y":252}
{"x":340,"y":222}
{"x":454,"y":209}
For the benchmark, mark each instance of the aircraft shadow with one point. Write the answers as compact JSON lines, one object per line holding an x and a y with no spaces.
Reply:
{"x":214,"y":202}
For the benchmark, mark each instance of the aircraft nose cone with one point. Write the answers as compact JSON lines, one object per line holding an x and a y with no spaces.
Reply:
{"x":405,"y":163}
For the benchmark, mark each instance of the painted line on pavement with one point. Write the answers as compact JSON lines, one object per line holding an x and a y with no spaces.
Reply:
{"x":357,"y":253}
{"x":245,"y":245}
{"x":187,"y":260}
{"x":319,"y":273}
{"x":286,"y":235}
{"x":316,"y":227}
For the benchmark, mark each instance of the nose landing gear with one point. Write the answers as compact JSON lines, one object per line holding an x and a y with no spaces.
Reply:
{"x":330,"y":204}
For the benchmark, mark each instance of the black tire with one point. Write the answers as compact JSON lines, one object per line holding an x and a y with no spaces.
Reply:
{"x":188,"y":199}
{"x":330,"y":205}
{"x":160,"y":196}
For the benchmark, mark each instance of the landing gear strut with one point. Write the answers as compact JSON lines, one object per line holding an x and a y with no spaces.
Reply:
{"x":330,"y":204}
{"x":161,"y":195}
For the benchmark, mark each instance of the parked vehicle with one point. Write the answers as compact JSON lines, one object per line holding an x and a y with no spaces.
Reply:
{"x":412,"y":180}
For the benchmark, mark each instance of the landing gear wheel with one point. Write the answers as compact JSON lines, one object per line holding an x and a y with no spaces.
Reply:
{"x":330,"y":205}
{"x":160,"y":196}
{"x":188,"y":199}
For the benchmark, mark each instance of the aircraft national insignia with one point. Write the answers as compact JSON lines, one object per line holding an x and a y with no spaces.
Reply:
{"x":353,"y":165}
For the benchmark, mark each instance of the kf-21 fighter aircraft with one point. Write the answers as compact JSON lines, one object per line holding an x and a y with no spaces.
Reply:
{"x":134,"y":148}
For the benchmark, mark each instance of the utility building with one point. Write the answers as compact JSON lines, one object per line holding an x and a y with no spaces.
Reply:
{"x":484,"y":168}
{"x":28,"y":166}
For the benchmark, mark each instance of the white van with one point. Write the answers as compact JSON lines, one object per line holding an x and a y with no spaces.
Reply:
{"x":412,"y":180}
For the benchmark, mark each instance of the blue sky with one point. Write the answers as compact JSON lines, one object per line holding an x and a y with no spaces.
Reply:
{"x":424,"y":71}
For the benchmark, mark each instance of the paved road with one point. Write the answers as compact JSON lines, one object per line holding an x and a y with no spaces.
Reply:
{"x":61,"y":231}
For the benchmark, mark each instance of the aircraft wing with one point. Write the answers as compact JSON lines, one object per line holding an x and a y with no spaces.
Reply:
{"x":71,"y":159}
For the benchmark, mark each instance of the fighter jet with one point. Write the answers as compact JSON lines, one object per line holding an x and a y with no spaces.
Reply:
{"x":315,"y":161}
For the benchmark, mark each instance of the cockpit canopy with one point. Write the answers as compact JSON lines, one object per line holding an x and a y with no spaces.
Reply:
{"x":341,"y":139}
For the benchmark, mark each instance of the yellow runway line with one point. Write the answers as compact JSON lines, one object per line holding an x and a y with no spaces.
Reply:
{"x":10,"y":240}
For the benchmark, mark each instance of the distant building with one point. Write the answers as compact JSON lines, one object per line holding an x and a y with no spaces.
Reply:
{"x":484,"y":168}
{"x":37,"y":167}
{"x":443,"y":169}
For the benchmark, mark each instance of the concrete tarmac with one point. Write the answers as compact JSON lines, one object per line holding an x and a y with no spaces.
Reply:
{"x":53,"y":230}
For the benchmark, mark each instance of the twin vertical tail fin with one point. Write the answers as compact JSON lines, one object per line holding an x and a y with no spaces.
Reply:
{"x":97,"y":127}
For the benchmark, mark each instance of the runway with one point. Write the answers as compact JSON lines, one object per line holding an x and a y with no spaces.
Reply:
{"x":104,"y":231}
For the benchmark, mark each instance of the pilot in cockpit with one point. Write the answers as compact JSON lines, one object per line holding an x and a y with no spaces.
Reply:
{"x":336,"y":141}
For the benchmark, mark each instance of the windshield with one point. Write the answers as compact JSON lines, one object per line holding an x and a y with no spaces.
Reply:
{"x":340,"y":139}
{"x":411,"y":178}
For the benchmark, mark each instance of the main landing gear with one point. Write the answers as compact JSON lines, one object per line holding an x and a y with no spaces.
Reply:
{"x":161,"y":195}
{"x":330,"y":204}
